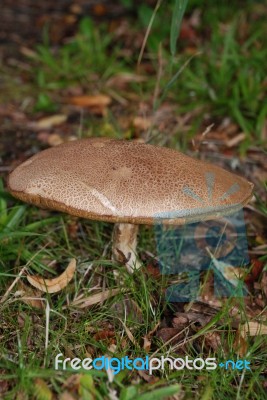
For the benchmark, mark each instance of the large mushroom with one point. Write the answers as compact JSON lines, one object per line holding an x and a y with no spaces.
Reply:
{"x":128,"y":183}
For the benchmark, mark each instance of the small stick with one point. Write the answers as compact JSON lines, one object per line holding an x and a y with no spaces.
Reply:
{"x":13,"y":284}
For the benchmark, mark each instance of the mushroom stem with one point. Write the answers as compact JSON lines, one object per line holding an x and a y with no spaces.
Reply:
{"x":124,"y":241}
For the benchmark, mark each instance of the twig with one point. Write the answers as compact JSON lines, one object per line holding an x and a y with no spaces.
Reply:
{"x":13,"y":284}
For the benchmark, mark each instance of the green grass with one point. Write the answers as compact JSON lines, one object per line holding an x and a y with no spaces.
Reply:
{"x":226,"y":77}
{"x":78,"y":59}
{"x":77,"y":62}
{"x":27,"y":365}
{"x":223,"y":76}
{"x":229,"y":78}
{"x":226,"y":74}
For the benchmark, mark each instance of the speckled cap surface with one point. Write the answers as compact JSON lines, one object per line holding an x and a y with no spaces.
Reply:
{"x":126,"y":181}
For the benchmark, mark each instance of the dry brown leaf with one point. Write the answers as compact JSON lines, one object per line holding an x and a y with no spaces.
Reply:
{"x":66,"y":396}
{"x":54,"y":139}
{"x":213,"y":340}
{"x":31,"y":296}
{"x":153,"y":270}
{"x":240,"y":344}
{"x":236,"y":140}
{"x":148,"y":378}
{"x":56,"y":284}
{"x":4,"y":384}
{"x":170,"y":334}
{"x":142,"y":123}
{"x":95,"y":298}
{"x":200,"y":317}
{"x":49,"y":122}
{"x":180,"y":321}
{"x":233,"y":273}
{"x":230,"y":273}
{"x":264,"y":283}
{"x":104,"y":335}
{"x":129,"y":333}
{"x":98,"y":101}
{"x":253,"y":328}
{"x":147,"y":344}
{"x":147,"y":337}
{"x":112,"y":348}
{"x":129,"y":307}
{"x":26,"y":51}
{"x":72,"y":382}
{"x":121,"y":81}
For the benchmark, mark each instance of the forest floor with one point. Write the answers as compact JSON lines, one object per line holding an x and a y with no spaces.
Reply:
{"x":85,"y":69}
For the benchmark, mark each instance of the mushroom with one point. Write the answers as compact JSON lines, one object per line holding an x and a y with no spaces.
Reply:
{"x":128,"y":183}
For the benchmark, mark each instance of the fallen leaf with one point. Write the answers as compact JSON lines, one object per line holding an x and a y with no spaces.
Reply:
{"x":142,"y":123}
{"x":144,"y":375}
{"x":54,"y":139}
{"x":72,"y":382}
{"x":188,"y":33}
{"x":43,"y":136}
{"x":103,"y":335}
{"x":153,"y":271}
{"x":99,"y":100}
{"x":66,"y":396}
{"x":72,"y":228}
{"x":95,"y":298}
{"x":31,"y":296}
{"x":120,"y":81}
{"x":253,"y":328}
{"x":147,"y":337}
{"x":129,"y":333}
{"x":129,"y":307}
{"x":181,"y":321}
{"x":26,"y":51}
{"x":170,"y":334}
{"x":213,"y":340}
{"x":240,"y":344}
{"x":76,"y":9}
{"x":256,"y":270}
{"x":99,"y":10}
{"x":4,"y":384}
{"x":230,"y":273}
{"x":112,"y":348}
{"x":264,"y":283}
{"x":199,"y":318}
{"x":97,"y":104}
{"x":236,"y":140}
{"x":49,"y":122}
{"x":147,"y":344}
{"x":56,"y":284}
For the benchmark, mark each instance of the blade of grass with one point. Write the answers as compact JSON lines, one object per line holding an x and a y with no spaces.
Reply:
{"x":3,"y":203}
{"x":13,"y":218}
{"x":147,"y":33}
{"x":176,"y":76}
{"x":177,"y":16}
{"x":161,"y":393}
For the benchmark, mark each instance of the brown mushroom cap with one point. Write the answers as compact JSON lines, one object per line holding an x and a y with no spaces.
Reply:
{"x":125,"y":181}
